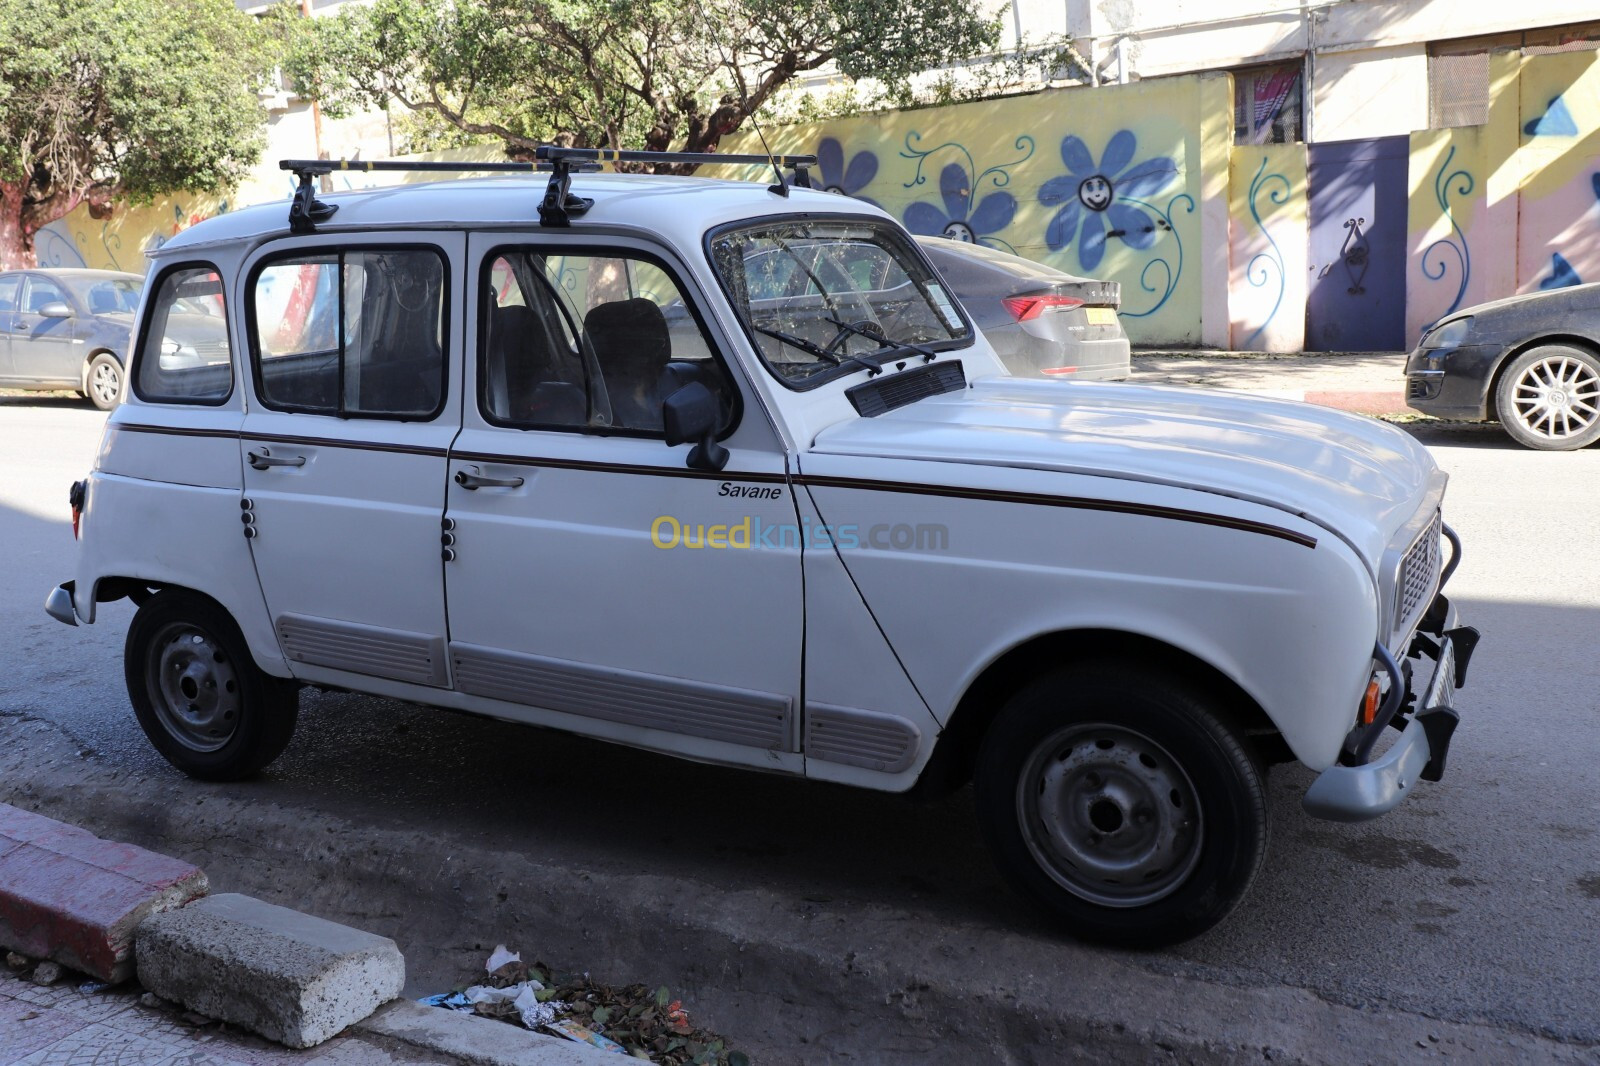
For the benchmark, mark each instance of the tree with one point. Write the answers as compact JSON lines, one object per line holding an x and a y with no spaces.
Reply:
{"x":108,"y":99}
{"x":615,"y":73}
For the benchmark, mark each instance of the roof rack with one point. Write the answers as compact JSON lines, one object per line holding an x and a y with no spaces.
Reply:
{"x":559,"y":205}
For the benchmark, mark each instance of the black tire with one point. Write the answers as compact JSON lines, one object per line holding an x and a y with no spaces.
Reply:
{"x":104,"y":381}
{"x":1115,"y":799}
{"x":198,"y":695}
{"x":1548,"y":398}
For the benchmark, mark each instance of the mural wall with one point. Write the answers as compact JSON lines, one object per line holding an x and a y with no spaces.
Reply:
{"x":1267,"y":282}
{"x":1514,"y":205}
{"x":1107,"y":185}
{"x":1141,"y":184}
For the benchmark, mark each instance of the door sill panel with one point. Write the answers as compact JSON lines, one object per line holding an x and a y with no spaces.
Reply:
{"x":669,"y":704}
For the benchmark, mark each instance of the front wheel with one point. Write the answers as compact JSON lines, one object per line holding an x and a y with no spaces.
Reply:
{"x":105,"y":381}
{"x":198,"y":695}
{"x":1549,"y":398}
{"x":1118,"y":801}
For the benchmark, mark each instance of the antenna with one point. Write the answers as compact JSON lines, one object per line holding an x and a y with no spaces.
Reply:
{"x":801,"y":178}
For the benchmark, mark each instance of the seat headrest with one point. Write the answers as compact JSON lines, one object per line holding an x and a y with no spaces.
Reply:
{"x":630,"y":335}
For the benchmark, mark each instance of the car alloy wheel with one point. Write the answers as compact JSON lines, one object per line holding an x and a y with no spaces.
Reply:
{"x":1549,"y":398}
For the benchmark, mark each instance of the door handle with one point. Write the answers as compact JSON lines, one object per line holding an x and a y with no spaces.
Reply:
{"x":264,"y":459}
{"x":478,"y":481}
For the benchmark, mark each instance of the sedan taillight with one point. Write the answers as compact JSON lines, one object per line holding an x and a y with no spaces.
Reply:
{"x":1023,"y":308}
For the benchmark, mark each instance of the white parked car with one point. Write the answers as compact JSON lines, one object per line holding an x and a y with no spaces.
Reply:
{"x":589,"y":466}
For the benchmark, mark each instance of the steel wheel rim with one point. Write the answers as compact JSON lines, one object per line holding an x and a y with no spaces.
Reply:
{"x":194,"y":687}
{"x":1557,"y":398}
{"x":1110,"y":815}
{"x":106,"y":382}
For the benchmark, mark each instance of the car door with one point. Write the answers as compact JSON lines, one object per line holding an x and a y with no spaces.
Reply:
{"x":351,"y":344}
{"x":597,"y":582}
{"x":46,"y":350}
{"x":10,"y":292}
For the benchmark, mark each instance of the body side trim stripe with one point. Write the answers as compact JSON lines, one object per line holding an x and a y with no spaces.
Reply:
{"x":1081,"y":503}
{"x":1076,"y":502}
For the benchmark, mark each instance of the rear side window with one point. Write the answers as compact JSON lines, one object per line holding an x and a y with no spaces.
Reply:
{"x":184,"y":353}
{"x":352,"y":333}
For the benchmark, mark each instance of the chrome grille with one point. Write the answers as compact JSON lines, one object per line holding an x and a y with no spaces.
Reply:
{"x":1419,"y":575}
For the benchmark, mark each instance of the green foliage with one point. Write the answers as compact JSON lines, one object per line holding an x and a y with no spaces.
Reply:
{"x":615,"y":73}
{"x":110,"y":98}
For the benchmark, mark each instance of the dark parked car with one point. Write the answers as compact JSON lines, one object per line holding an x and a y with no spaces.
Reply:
{"x":67,"y":329}
{"x":1531,"y":362}
{"x":1041,"y":321}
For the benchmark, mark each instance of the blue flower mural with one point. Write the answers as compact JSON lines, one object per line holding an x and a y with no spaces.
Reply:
{"x":1092,"y":193}
{"x":835,"y":176}
{"x":961,"y":219}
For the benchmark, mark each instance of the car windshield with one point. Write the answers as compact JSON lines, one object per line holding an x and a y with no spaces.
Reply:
{"x":828,"y":297}
{"x":108,"y":296}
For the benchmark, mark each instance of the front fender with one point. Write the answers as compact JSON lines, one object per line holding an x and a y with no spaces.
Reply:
{"x":1292,"y":624}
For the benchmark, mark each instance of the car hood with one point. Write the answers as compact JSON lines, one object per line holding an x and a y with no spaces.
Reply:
{"x":1543,"y":303}
{"x":1358,"y":478}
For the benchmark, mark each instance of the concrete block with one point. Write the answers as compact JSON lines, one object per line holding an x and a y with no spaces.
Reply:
{"x":69,"y":896}
{"x":288,"y":976}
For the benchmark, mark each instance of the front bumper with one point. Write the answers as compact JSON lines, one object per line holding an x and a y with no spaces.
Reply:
{"x":1358,"y":793}
{"x":1452,"y":382}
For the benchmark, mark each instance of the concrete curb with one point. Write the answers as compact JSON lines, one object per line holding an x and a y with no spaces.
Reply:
{"x":475,"y":1041}
{"x":86,"y":902}
{"x":69,"y":896}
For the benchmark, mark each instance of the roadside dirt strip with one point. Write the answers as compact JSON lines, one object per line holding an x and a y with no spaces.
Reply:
{"x":789,"y":981}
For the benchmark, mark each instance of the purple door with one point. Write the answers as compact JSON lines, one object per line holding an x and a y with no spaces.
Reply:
{"x":1356,"y":200}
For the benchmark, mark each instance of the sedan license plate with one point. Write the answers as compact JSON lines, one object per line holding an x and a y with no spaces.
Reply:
{"x":1100,"y":316}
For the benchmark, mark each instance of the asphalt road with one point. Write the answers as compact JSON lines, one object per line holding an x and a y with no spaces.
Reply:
{"x":1478,"y":901}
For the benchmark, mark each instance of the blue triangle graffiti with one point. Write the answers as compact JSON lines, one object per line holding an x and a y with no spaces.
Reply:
{"x":1561,"y":274}
{"x":1555,"y":122}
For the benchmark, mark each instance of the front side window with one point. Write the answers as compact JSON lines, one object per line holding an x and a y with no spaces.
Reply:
{"x":42,"y":292}
{"x":823,"y":298}
{"x":588,"y":342}
{"x":352,"y":333}
{"x":184,"y":355}
{"x":10,"y":287}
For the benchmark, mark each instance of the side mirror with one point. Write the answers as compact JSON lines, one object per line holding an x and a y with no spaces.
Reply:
{"x":691,"y":414}
{"x":55,"y":309}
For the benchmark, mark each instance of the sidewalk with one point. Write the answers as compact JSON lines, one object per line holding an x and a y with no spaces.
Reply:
{"x":59,"y":1025}
{"x":1369,"y":383}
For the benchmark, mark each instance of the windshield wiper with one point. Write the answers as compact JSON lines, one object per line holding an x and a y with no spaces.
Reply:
{"x":873,"y":332}
{"x":818,"y":350}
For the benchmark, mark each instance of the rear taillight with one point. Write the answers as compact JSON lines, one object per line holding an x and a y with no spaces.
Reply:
{"x":1023,"y":308}
{"x":75,"y":497}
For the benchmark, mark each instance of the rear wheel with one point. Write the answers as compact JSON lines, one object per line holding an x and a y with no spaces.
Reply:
{"x":1549,"y":398}
{"x":198,"y":695}
{"x":104,"y":381}
{"x":1120,"y":803}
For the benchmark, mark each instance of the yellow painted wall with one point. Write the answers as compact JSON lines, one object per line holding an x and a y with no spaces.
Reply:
{"x":1020,"y":174}
{"x":1268,"y":276}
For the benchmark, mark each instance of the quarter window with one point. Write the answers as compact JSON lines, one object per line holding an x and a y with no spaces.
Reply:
{"x":588,"y":342}
{"x":352,"y":333}
{"x":185,"y":357}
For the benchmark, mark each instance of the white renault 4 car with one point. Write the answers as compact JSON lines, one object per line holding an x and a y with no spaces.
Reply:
{"x":596,"y":461}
